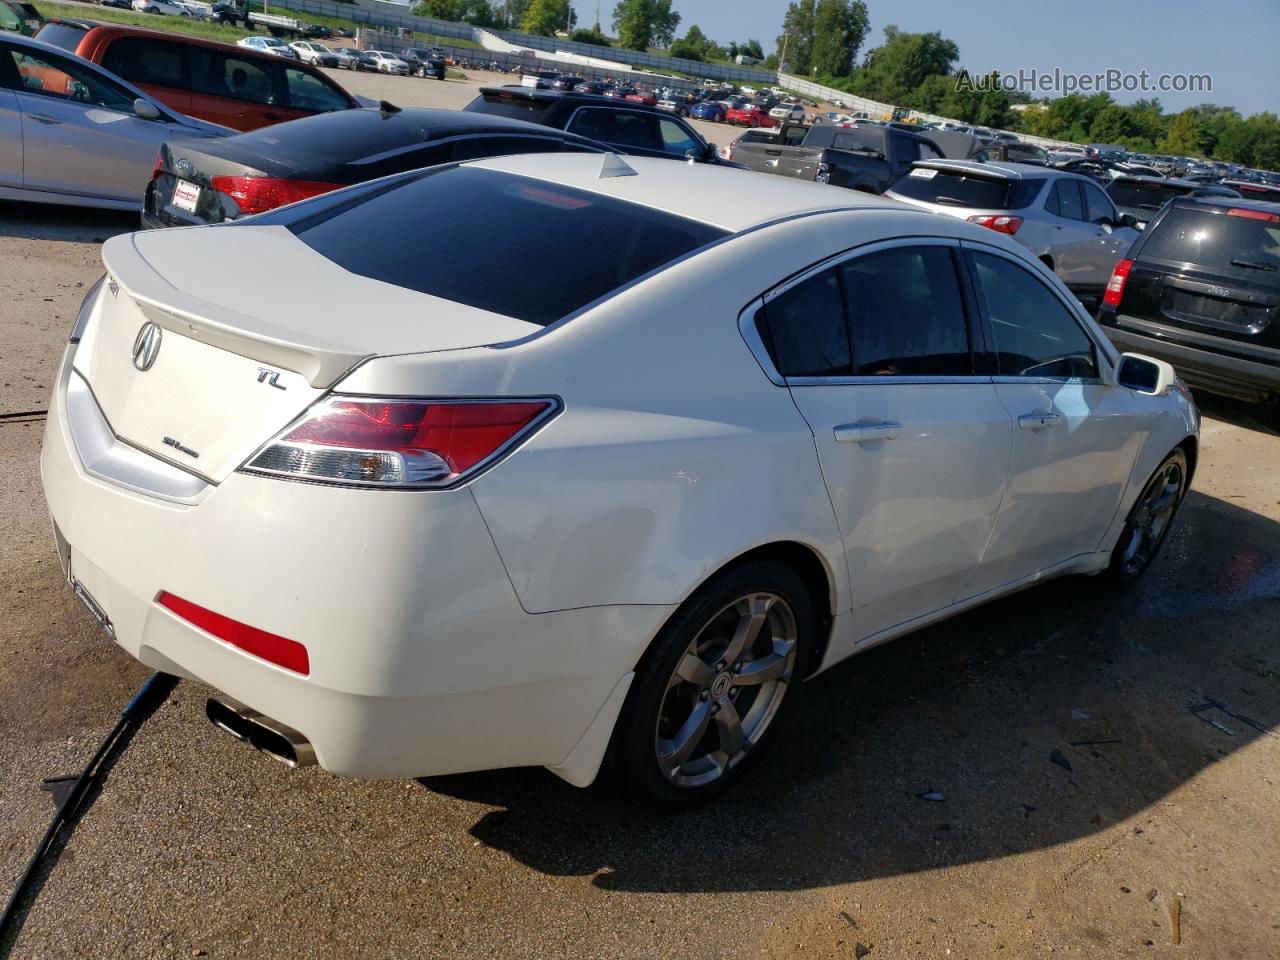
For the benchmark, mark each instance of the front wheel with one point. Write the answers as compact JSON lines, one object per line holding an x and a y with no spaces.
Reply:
{"x":1149,"y":520}
{"x":715,"y":684}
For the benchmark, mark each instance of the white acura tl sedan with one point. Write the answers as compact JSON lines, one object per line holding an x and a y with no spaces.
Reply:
{"x":419,"y":500}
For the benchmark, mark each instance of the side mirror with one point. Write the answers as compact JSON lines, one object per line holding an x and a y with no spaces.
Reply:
{"x":1129,"y":220}
{"x":1145,"y":374}
{"x":701,"y":154}
{"x":145,"y":109}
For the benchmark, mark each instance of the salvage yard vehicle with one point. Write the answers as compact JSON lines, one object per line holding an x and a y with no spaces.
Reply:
{"x":199,"y":181}
{"x":1063,"y":218}
{"x":387,"y":62}
{"x":1141,"y":197}
{"x":59,"y":112}
{"x":411,"y":511}
{"x":272,"y":45}
{"x":633,"y":128}
{"x":316,"y":54}
{"x":234,"y":86}
{"x":1201,"y":289}
{"x":19,"y":17}
{"x":749,"y":115}
{"x":866,"y":158}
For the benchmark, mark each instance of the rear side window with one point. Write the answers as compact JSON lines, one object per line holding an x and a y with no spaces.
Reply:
{"x":142,"y":60}
{"x":1034,"y":334}
{"x":62,"y":35}
{"x":501,"y":252}
{"x":1246,"y":241}
{"x":807,"y":331}
{"x":1064,"y":200}
{"x":1098,"y":209}
{"x":960,"y":188}
{"x":509,"y":105}
{"x":619,"y":127}
{"x":220,"y":74}
{"x":907,"y":312}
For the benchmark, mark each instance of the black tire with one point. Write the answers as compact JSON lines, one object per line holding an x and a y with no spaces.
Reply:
{"x":654,"y":706}
{"x":1141,"y":539}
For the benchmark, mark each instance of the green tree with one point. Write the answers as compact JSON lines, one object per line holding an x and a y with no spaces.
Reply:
{"x":595,"y":35}
{"x":545,"y":17}
{"x":839,"y":27}
{"x":514,"y":11}
{"x":751,"y":48}
{"x":1112,"y":125}
{"x":895,"y":70}
{"x":1184,"y":134}
{"x":694,"y":45}
{"x":440,"y":9}
{"x":642,"y":24}
{"x":795,"y":46}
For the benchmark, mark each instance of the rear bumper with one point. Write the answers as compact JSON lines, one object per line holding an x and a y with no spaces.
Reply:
{"x":1207,"y":369}
{"x":421,"y":659}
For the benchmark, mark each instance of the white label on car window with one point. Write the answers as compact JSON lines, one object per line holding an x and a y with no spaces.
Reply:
{"x":186,"y":195}
{"x":925,"y":172}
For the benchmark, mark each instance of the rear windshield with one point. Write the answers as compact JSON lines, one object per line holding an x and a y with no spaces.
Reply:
{"x":957,"y":188}
{"x":509,"y":105}
{"x":1147,"y":196}
{"x":1216,"y":240}
{"x":62,"y":35}
{"x":496,"y":241}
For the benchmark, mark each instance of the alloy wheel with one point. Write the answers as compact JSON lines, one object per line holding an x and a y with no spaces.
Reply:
{"x":1152,"y":516}
{"x":726,"y":689}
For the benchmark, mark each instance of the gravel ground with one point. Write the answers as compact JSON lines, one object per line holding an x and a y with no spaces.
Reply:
{"x":197,"y":846}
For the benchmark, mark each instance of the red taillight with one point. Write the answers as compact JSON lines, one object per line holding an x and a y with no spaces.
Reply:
{"x":1254,"y":214}
{"x":399,"y":443}
{"x":1000,"y":223}
{"x":259,"y":194}
{"x":157,"y":168}
{"x":1115,"y":286}
{"x":267,"y":646}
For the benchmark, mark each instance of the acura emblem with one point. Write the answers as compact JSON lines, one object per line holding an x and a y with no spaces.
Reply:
{"x":146,"y":347}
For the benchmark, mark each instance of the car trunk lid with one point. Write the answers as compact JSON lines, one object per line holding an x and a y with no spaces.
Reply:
{"x":253,"y":327}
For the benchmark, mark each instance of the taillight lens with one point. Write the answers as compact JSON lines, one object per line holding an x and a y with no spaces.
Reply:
{"x":400,"y":443}
{"x":259,"y":194}
{"x":157,"y":168}
{"x":1254,"y":214}
{"x":1000,"y":223}
{"x":1115,"y":286}
{"x":281,"y":651}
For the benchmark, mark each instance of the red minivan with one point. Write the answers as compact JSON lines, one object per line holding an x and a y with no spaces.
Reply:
{"x":212,"y":81}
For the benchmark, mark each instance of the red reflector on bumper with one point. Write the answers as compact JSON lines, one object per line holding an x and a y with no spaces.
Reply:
{"x":278,"y":650}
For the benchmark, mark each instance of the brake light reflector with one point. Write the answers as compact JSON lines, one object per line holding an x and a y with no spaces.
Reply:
{"x":1115,"y":286}
{"x":400,"y":443}
{"x":1000,"y":223}
{"x":1254,"y":214}
{"x":260,"y":194}
{"x":266,"y":646}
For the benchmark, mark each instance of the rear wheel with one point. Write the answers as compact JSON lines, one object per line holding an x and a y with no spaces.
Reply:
{"x":715,"y":684}
{"x":1149,"y":520}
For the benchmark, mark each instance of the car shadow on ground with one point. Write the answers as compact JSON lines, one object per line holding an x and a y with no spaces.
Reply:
{"x":1039,"y":719}
{"x":1262,"y":417}
{"x":42,"y":221}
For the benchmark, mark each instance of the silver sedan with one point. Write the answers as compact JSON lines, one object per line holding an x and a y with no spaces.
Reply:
{"x":71,"y":132}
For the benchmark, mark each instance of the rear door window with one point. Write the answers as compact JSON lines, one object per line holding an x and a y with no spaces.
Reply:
{"x":52,"y":76}
{"x":623,"y":128}
{"x":1098,"y":209}
{"x":1033,"y":332}
{"x":806,"y":329}
{"x":145,"y":61}
{"x":1064,"y":200}
{"x":907,"y":313}
{"x":503,"y":251}
{"x":509,"y":105}
{"x":221,"y":74}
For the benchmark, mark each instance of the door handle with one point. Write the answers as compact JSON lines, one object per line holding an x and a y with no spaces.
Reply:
{"x":865,"y":432}
{"x":1038,"y":421}
{"x":43,"y":118}
{"x":771,"y":163}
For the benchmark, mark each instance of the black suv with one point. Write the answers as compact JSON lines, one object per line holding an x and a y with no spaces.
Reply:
{"x":422,"y":63}
{"x":1200,"y":288}
{"x":630,"y":127}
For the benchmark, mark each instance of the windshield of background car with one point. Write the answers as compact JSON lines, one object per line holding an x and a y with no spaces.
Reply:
{"x":1215,"y":239}
{"x":509,"y":105}
{"x":496,"y":254}
{"x":959,"y":188}
{"x":62,"y":35}
{"x":1148,"y":196}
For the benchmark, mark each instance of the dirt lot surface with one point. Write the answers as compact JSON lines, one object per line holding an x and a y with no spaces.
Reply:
{"x":1109,"y":764}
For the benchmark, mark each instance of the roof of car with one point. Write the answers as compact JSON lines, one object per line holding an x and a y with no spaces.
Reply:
{"x":125,"y":29}
{"x":1229,"y":203}
{"x":997,"y":168}
{"x":1158,"y":181}
{"x":732,"y":199}
{"x":571,"y":96}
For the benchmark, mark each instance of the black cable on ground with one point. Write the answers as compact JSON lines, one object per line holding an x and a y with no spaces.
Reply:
{"x":24,"y":413}
{"x":152,"y":693}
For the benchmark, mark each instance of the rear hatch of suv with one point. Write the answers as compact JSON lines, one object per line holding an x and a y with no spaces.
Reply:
{"x":1207,"y":271}
{"x":962,"y":191}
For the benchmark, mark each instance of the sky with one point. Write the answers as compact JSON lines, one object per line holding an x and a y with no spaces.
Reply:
{"x":1232,"y":40}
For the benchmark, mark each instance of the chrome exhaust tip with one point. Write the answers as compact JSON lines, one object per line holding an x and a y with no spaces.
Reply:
{"x":261,"y":732}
